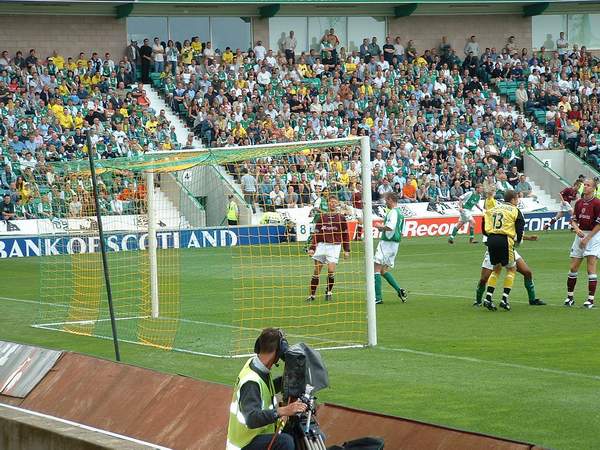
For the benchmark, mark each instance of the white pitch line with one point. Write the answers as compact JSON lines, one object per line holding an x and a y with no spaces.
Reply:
{"x":86,"y":322}
{"x":490,"y":362}
{"x":39,"y":302}
{"x":429,"y":294}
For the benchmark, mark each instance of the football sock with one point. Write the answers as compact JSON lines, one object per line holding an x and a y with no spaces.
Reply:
{"x":553,"y":221}
{"x":479,"y":292}
{"x":530,"y":288}
{"x":378,"y":295}
{"x":509,"y":279}
{"x":330,"y":281}
{"x":571,"y":282}
{"x":592,"y":281}
{"x":314,"y":282}
{"x":491,"y":287}
{"x":390,"y":279}
{"x":493,"y":280}
{"x":471,"y":232}
{"x":455,"y":231}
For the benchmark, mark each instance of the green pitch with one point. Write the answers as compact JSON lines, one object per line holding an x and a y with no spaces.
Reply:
{"x":531,"y":374}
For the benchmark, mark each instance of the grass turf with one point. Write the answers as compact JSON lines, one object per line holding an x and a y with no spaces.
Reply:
{"x":531,"y":374}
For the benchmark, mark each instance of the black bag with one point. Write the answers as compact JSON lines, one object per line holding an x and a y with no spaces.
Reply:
{"x":366,"y":443}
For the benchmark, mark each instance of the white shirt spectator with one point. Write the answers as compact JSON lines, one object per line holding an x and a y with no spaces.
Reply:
{"x":562,"y":45}
{"x":263,"y":77}
{"x":271,"y":61}
{"x":379,"y":81}
{"x":260,"y":51}
{"x":209,"y":53}
{"x":384,"y":65}
{"x":159,"y":52}
{"x":277,"y":198}
{"x":399,"y":49}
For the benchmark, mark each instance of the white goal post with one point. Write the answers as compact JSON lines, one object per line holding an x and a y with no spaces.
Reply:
{"x":367,"y":221}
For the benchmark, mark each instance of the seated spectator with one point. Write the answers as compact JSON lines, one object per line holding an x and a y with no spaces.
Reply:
{"x":8,"y":208}
{"x":524,"y":188}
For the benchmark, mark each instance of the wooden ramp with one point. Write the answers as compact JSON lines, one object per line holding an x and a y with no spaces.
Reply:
{"x":185,"y":413}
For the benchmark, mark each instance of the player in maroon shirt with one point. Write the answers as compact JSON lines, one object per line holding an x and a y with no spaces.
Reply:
{"x":586,"y":224}
{"x":330,"y":235}
{"x":567,"y":195}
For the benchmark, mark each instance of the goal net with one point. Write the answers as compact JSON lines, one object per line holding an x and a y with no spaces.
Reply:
{"x":207,"y":247}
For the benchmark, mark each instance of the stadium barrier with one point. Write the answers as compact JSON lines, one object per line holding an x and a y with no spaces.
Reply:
{"x":47,"y":245}
{"x":15,"y":247}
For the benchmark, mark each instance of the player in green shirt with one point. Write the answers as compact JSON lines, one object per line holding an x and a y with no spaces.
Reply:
{"x":385,"y":255}
{"x":466,"y":204}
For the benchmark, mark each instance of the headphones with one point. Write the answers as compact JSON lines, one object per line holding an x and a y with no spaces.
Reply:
{"x":282,"y":346}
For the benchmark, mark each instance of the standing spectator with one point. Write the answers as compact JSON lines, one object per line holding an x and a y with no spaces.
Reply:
{"x":209,"y":53}
{"x":232,"y":212}
{"x":374,"y":49}
{"x":472,"y":47}
{"x":398,"y":49}
{"x":249,"y":188}
{"x":146,"y":58}
{"x":158,"y":53}
{"x":289,"y":47}
{"x":8,"y":208}
{"x":445,"y":49}
{"x":388,"y":50}
{"x":562,"y":45}
{"x":133,"y":53}
{"x":364,"y":50}
{"x":260,"y":51}
{"x":172,"y":56}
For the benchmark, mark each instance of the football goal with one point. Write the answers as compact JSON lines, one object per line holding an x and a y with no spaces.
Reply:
{"x":205,"y":247}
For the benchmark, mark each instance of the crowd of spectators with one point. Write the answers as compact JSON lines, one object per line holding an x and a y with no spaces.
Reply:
{"x":563,"y":84}
{"x":45,"y":107}
{"x":435,"y":123}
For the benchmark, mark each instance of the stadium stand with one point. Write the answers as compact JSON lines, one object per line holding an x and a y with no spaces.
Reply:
{"x":438,"y":124}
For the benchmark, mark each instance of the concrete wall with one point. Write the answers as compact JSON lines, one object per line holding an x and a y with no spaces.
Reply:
{"x":555,"y":159}
{"x":67,"y":34}
{"x":491,"y":30}
{"x":575,"y":167}
{"x":543,"y":177}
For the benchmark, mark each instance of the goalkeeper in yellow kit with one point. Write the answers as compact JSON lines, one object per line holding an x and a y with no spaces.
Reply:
{"x":503,"y":225}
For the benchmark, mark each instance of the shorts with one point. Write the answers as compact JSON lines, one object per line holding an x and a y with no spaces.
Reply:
{"x":486,"y":264}
{"x":566,"y":207}
{"x":466,"y":215}
{"x":385,"y":254}
{"x":591,"y":249}
{"x":327,"y":253}
{"x":501,"y":250}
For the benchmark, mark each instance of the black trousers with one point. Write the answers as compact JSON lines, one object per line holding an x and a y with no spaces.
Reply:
{"x":283,"y":441}
{"x":289,"y":54}
{"x":145,"y":71}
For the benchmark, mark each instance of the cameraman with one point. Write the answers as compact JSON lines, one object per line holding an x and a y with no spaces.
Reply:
{"x":254,"y":411}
